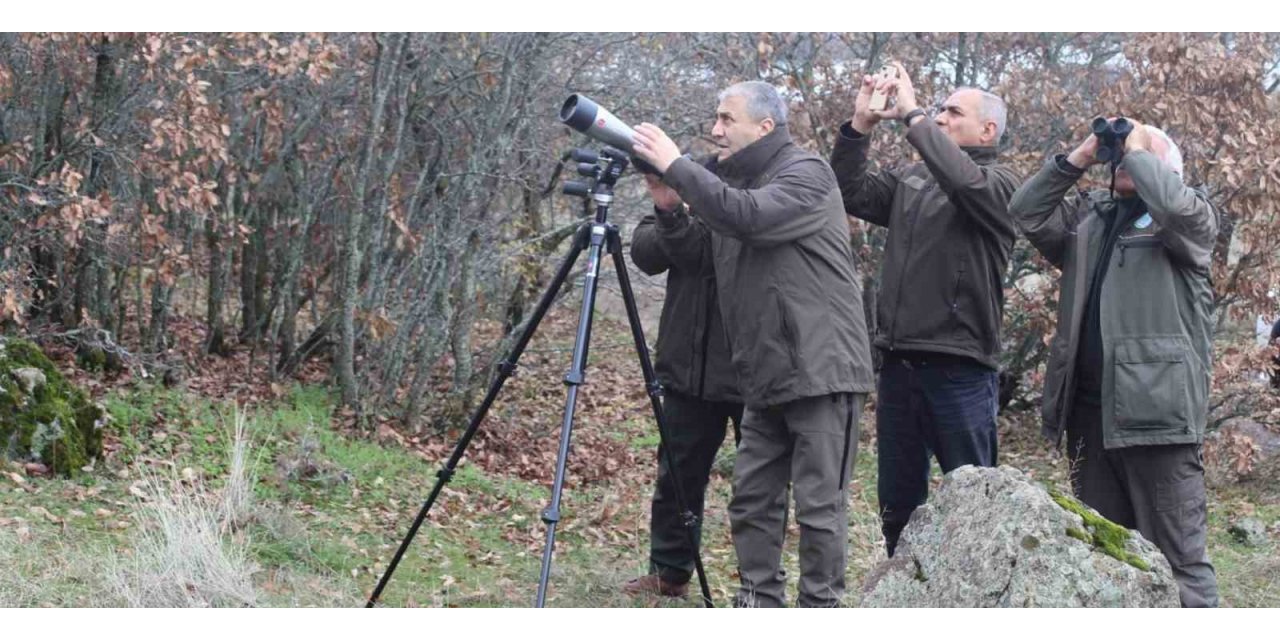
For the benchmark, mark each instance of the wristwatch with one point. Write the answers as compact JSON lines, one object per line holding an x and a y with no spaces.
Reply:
{"x":681,"y":208}
{"x":906,"y":120}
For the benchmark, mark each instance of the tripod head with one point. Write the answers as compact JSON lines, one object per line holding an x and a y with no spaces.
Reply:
{"x":601,"y":171}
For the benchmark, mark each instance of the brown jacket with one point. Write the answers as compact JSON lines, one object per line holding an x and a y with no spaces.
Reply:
{"x":788,"y":290}
{"x":693,"y":357}
{"x":950,"y":236}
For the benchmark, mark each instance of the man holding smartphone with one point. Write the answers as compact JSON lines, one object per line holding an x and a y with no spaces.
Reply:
{"x":942,"y":294}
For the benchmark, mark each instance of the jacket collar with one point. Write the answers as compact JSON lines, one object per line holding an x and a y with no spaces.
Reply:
{"x":1108,"y":206}
{"x":752,"y":160}
{"x":981,"y":155}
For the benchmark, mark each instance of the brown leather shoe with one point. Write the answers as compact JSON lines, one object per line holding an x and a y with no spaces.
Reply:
{"x":655,"y":585}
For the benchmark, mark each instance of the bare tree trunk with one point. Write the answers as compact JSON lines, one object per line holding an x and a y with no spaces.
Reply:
{"x":428,"y":352}
{"x":215,"y":342}
{"x":92,"y":251}
{"x":249,"y":280}
{"x":157,"y":331}
{"x":384,"y":74}
{"x":460,"y":329}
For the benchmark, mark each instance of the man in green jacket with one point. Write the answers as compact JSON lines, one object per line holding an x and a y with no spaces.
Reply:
{"x":1128,"y":373}
{"x":792,"y":308}
{"x":942,"y":284}
{"x":700,"y":387}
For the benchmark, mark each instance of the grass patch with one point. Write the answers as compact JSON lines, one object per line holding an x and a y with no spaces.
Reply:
{"x":328,"y":511}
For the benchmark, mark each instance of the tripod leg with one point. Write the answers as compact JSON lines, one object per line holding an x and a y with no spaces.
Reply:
{"x":655,"y":392}
{"x":574,"y":379}
{"x":506,"y":369}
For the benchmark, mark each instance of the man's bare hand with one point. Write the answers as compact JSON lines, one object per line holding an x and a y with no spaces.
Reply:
{"x":1085,"y":154}
{"x":863,"y":118}
{"x":654,"y":147}
{"x":903,"y":92}
{"x":664,"y":198}
{"x":1138,"y":139}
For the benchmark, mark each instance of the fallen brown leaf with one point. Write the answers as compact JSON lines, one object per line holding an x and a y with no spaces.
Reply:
{"x":44,"y":513}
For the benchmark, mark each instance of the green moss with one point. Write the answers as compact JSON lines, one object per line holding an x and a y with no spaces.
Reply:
{"x":1105,"y":535}
{"x":53,"y":421}
{"x":1082,"y":536}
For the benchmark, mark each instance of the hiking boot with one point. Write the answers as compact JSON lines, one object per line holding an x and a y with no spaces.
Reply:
{"x":654,"y":585}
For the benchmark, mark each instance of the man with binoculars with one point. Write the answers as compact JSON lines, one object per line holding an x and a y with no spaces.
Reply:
{"x":1128,"y":373}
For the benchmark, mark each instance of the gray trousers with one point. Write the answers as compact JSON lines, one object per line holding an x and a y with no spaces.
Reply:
{"x":810,"y":443}
{"x":1158,"y":490}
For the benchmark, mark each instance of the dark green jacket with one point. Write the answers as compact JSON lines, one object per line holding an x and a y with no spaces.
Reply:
{"x":950,"y":236}
{"x":788,"y":290}
{"x":1155,"y":302}
{"x":693,"y":357}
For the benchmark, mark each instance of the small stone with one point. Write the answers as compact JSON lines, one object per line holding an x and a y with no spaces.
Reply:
{"x":1249,"y":532}
{"x":30,"y":378}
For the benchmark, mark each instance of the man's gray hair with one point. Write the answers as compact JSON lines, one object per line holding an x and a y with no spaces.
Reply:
{"x":1173,"y":156}
{"x":993,"y":110}
{"x":762,"y":100}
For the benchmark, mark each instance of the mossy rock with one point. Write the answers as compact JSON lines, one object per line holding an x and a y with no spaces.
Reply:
{"x":1105,"y":535}
{"x":43,"y":417}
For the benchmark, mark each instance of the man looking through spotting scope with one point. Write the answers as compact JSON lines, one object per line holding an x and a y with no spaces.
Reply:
{"x":792,"y":310}
{"x":942,"y":294}
{"x":700,"y":390}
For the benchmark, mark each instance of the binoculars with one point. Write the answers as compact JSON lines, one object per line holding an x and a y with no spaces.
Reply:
{"x":1111,"y":136}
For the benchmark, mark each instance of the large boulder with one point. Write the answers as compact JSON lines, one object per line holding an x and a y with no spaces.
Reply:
{"x":43,"y":417}
{"x":994,"y":538}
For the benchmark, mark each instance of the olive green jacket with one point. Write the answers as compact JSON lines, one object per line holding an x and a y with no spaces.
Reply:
{"x":1155,"y":303}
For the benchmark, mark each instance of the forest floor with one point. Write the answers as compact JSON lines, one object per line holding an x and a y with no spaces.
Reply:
{"x":327,"y":503}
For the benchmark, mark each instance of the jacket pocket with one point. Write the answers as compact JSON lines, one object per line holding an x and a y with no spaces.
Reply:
{"x":787,"y":327}
{"x":1151,"y":378}
{"x":1137,"y":242}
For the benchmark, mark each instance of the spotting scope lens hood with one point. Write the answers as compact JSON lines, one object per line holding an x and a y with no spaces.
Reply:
{"x":582,"y":114}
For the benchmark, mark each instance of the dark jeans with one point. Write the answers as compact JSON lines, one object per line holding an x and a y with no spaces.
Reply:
{"x":929,"y":404}
{"x":1158,"y":490}
{"x":695,"y":430}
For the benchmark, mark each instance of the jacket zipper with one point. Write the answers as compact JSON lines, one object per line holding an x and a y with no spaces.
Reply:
{"x":706,"y":342}
{"x":848,"y":432}
{"x":897,"y":304}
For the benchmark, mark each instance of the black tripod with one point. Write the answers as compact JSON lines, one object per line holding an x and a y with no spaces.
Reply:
{"x":596,"y":237}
